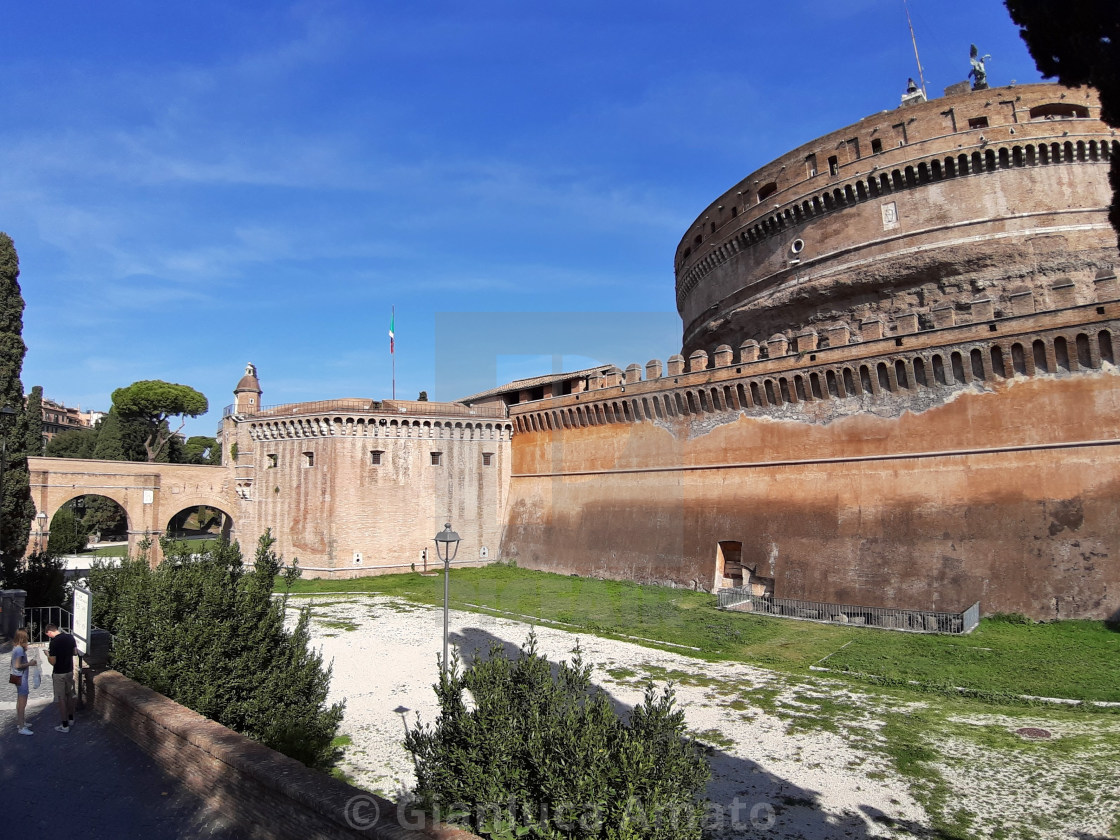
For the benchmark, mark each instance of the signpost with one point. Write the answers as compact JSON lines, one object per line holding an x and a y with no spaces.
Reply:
{"x":83,"y":614}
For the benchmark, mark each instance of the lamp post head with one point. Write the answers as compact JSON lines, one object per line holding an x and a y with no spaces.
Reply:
{"x":447,"y":544}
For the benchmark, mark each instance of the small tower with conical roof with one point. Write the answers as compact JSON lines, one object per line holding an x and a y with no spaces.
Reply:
{"x":247,"y":394}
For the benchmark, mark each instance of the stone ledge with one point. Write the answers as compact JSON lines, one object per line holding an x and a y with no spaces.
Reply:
{"x":265,"y":793}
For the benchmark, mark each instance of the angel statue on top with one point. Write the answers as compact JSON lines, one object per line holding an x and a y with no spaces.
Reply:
{"x":978,"y":74}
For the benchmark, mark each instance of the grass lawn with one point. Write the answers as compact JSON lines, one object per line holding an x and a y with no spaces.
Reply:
{"x":1074,"y":659}
{"x":110,"y":551}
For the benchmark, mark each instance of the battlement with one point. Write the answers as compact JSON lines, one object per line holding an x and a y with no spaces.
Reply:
{"x":892,"y":368}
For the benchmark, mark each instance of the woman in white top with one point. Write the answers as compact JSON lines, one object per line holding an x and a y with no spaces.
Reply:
{"x":19,"y":668}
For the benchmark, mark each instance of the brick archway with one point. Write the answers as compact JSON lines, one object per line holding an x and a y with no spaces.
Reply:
{"x":151,"y":494}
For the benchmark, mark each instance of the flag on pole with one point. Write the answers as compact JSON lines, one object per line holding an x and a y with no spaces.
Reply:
{"x":392,"y":322}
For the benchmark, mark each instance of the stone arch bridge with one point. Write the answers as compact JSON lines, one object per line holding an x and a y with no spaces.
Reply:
{"x":150,"y":494}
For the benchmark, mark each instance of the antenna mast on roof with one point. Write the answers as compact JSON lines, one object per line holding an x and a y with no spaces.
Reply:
{"x":914,"y":40}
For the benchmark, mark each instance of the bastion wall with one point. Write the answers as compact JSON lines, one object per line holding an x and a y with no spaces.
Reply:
{"x":352,"y":487}
{"x":923,"y":469}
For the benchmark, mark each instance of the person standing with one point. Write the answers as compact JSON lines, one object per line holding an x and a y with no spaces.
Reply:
{"x":20,"y":668}
{"x":60,"y":654}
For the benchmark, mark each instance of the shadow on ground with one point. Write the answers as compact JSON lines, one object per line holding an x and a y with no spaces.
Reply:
{"x":766,"y":805}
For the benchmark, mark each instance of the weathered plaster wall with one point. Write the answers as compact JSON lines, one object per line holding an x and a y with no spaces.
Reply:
{"x":312,"y":480}
{"x":998,"y":495}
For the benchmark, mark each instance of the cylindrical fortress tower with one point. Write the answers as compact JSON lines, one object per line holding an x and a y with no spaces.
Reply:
{"x":924,"y":209}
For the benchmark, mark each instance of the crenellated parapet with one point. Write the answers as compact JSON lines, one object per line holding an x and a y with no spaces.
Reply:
{"x":889,"y":367}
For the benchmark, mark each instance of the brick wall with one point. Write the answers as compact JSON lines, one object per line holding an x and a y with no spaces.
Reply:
{"x":268,"y":795}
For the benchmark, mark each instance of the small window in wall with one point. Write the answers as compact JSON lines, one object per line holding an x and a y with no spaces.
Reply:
{"x":833,"y":165}
{"x":375,"y":457}
{"x":853,"y":145}
{"x":978,"y":122}
{"x":876,"y":146}
{"x":487,"y":458}
{"x":1057,"y":110}
{"x":309,"y":459}
{"x":437,"y":459}
{"x":766,"y":190}
{"x":273,"y":460}
{"x":810,"y":166}
{"x":900,"y":133}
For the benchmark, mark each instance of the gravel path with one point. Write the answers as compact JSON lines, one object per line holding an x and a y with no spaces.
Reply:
{"x":776,"y":780}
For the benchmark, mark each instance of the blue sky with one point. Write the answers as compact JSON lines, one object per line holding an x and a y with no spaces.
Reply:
{"x":195,"y":186}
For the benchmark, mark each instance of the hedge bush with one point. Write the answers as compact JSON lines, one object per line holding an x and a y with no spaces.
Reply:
{"x":206,"y":632}
{"x":543,"y":754}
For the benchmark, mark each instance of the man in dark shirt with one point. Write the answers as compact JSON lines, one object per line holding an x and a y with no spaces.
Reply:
{"x":60,"y":654}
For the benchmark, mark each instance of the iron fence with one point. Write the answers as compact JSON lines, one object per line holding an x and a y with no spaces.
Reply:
{"x":913,"y":621}
{"x":36,"y":619}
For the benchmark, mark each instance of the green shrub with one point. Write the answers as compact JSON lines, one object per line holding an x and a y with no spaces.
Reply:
{"x":542,"y":754}
{"x":205,"y":631}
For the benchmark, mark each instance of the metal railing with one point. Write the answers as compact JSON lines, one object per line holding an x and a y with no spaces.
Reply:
{"x":890,"y":618}
{"x":36,"y":619}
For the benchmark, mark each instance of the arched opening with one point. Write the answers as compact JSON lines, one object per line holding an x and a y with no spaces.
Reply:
{"x":900,"y":374}
{"x":849,"y":382}
{"x":830,"y":381}
{"x":1039,"y":350}
{"x":89,"y":525}
{"x":1061,"y":353}
{"x":958,"y":367}
{"x":1104,"y":340}
{"x":920,"y":373}
{"x":884,"y":379}
{"x":997,"y":361}
{"x":977,"y":359}
{"x":1084,"y":357}
{"x":939,"y":371}
{"x":199,"y":523}
{"x":865,"y":379}
{"x":1018,"y":359}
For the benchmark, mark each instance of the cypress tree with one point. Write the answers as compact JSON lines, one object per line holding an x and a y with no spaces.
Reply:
{"x":33,"y":438}
{"x":110,"y":443}
{"x":16,"y":508}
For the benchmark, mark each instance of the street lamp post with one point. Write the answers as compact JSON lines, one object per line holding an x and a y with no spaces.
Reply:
{"x":41,"y":518}
{"x":447,"y":546}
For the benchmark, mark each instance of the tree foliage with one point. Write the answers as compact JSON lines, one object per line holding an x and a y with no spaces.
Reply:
{"x":154,"y":402}
{"x":205,"y":631}
{"x":72,"y":443}
{"x":33,"y":431}
{"x":16,"y":508}
{"x":1078,"y":42}
{"x":68,"y":533}
{"x":542,"y":754}
{"x":42,"y":577}
{"x":200,"y":449}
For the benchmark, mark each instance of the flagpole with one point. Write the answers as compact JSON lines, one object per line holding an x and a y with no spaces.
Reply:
{"x":392,"y":348}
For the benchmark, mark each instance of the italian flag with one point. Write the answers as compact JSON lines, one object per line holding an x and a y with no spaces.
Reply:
{"x":392,"y":322}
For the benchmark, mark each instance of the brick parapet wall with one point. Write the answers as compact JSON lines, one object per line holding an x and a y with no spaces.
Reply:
{"x":267,"y":794}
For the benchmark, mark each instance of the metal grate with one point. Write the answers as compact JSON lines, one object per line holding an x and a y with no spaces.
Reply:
{"x":913,"y":621}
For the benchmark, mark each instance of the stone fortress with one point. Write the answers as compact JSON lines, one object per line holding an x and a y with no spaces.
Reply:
{"x":897,"y":388}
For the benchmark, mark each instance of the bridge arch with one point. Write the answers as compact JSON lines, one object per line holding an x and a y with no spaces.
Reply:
{"x":150,"y":494}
